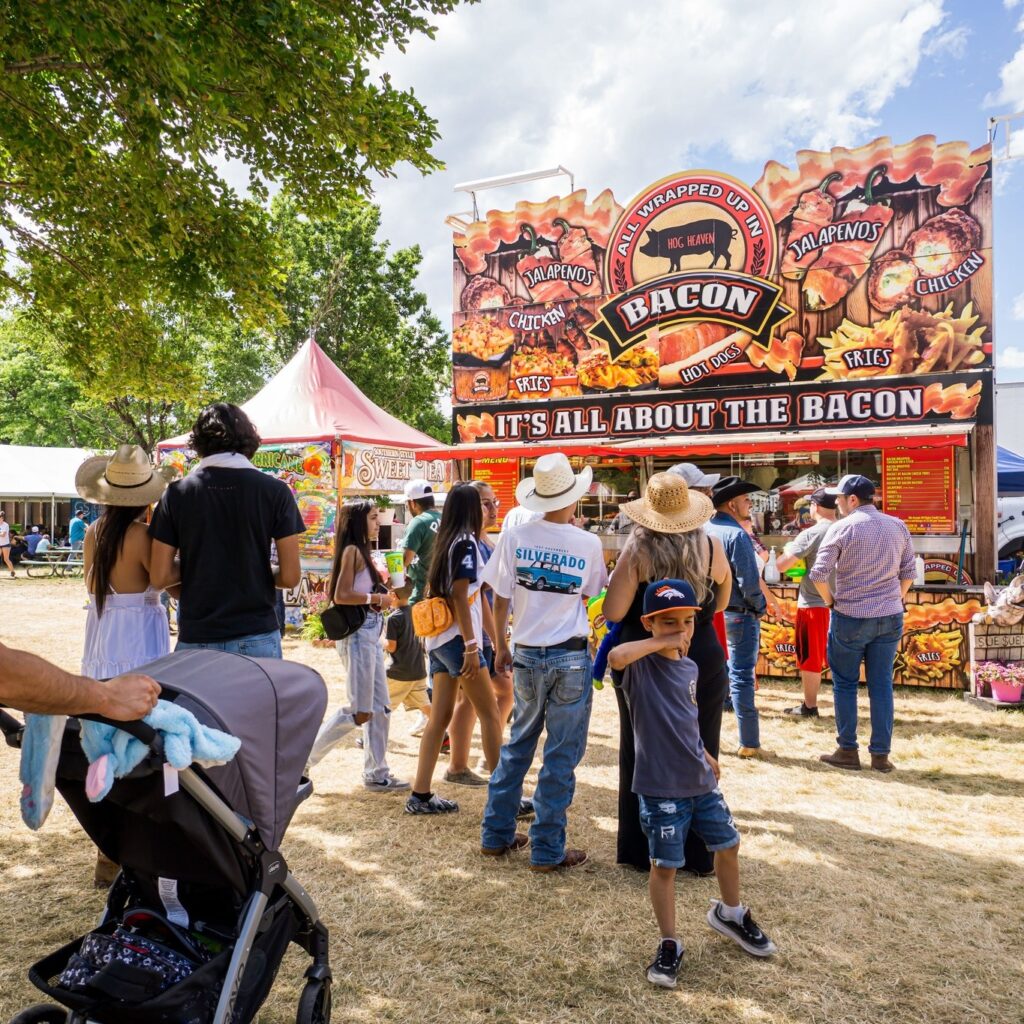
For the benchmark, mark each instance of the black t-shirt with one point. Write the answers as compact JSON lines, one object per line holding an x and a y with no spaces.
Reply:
{"x":407,"y":661}
{"x":222,"y":522}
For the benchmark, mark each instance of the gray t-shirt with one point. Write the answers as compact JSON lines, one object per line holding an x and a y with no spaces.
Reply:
{"x":805,"y":545}
{"x":662,"y":697}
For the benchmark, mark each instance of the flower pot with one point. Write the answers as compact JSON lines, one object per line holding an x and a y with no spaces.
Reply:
{"x":1007,"y":693}
{"x":386,"y":517}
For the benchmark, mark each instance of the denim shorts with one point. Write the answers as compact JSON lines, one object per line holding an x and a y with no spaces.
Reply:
{"x":448,"y":657}
{"x":257,"y":645}
{"x":666,"y":821}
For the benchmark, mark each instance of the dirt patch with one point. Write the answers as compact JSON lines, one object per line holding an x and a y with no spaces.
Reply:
{"x":892,"y":898}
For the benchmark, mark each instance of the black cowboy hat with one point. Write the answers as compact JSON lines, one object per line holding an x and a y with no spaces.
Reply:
{"x":730,"y":487}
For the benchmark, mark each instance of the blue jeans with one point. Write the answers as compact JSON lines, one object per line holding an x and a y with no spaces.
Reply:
{"x":258,"y":645}
{"x":667,"y":820}
{"x":552,"y":688}
{"x":743,"y":631}
{"x":873,"y":642}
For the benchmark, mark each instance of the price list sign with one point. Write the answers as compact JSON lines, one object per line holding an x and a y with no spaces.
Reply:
{"x":502,"y":475}
{"x":919,"y":487}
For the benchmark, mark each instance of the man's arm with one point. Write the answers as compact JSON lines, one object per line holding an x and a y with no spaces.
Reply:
{"x":28,"y":683}
{"x":163,"y":573}
{"x":502,"y":658}
{"x":907,"y":568}
{"x":748,"y":573}
{"x":289,"y":567}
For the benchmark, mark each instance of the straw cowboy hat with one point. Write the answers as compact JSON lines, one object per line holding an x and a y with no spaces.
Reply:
{"x":125,"y":478}
{"x":669,"y":506}
{"x":553,"y":485}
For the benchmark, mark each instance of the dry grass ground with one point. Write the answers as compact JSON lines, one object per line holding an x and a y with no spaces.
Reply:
{"x":893,"y":899}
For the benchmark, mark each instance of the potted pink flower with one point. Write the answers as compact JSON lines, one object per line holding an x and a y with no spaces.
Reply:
{"x":1005,"y":681}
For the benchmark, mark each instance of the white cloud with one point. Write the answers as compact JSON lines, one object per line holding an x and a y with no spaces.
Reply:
{"x":1011,"y":83}
{"x":623,"y":95}
{"x":951,"y":43}
{"x":1010,"y":358}
{"x":1018,"y":307}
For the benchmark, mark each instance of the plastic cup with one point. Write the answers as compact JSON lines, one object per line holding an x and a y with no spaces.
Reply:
{"x":396,"y":567}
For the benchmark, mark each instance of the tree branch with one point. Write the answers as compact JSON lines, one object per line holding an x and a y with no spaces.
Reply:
{"x":30,"y":67}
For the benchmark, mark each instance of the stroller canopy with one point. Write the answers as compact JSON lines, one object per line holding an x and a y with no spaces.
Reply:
{"x":274,"y":707}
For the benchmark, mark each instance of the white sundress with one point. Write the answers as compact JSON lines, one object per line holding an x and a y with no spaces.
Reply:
{"x":131,"y":632}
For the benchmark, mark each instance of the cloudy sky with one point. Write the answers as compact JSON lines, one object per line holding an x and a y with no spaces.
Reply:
{"x":624,"y":96}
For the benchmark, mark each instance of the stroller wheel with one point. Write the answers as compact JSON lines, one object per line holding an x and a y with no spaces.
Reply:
{"x":45,"y":1013}
{"x":315,"y":1003}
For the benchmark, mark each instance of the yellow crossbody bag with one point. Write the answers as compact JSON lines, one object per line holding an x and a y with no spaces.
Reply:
{"x":433,"y":615}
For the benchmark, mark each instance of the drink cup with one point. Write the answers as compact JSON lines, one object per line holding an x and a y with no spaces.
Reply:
{"x":396,"y":567}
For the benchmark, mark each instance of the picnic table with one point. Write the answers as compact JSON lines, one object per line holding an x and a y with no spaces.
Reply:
{"x":55,"y":561}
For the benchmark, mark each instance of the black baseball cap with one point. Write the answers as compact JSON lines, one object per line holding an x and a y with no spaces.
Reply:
{"x":853,"y":484}
{"x":823,"y":498}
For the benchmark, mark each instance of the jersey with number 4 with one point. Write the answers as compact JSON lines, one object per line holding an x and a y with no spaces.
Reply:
{"x":464,"y":563}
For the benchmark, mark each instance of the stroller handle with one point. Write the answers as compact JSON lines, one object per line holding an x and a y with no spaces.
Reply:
{"x":139,"y":729}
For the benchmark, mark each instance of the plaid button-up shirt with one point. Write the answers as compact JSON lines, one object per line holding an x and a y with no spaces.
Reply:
{"x":871,"y":553}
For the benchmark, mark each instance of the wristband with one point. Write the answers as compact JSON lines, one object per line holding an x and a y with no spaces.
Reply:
{"x":471,"y":645}
{"x":369,"y":599}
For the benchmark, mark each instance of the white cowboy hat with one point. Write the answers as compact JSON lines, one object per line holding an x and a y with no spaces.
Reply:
{"x":553,"y":485}
{"x":669,"y":506}
{"x":125,"y":478}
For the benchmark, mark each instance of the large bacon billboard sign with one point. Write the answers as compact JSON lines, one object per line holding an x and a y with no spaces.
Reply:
{"x":853,"y":266}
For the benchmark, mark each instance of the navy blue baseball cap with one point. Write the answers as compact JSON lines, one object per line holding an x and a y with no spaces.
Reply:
{"x":667,"y":596}
{"x":855,"y":484}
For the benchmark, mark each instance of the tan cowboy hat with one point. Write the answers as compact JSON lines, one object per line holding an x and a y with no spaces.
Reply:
{"x":553,"y":485}
{"x":669,"y":506}
{"x":125,"y":478}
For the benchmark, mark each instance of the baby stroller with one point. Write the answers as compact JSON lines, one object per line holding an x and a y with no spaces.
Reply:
{"x":199,"y":918}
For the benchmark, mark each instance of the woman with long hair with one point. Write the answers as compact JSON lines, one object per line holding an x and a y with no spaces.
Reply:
{"x":126,"y":625}
{"x":669,"y":542}
{"x":355,"y":580}
{"x":464,"y":718}
{"x":456,"y":655}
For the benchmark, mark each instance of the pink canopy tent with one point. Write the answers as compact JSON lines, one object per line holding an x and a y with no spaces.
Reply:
{"x":312,"y":400}
{"x":326,"y":440}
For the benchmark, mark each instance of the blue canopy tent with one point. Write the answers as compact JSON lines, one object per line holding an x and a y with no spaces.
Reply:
{"x":1010,"y":471}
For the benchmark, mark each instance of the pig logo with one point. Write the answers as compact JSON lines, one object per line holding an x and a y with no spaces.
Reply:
{"x":701,"y":236}
{"x":711,"y":221}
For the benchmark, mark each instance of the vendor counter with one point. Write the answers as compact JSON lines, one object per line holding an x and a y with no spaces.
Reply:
{"x":934,"y":651}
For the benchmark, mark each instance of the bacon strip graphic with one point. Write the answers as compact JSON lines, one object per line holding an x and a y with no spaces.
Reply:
{"x":484,"y":237}
{"x":950,"y":166}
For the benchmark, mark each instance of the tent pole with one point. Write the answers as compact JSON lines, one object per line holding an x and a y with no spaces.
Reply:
{"x":53,"y":517}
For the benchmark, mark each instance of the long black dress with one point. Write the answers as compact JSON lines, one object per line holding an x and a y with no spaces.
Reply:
{"x":712,"y":687}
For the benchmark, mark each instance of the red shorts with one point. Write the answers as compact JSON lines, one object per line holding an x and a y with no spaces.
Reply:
{"x":811,"y":638}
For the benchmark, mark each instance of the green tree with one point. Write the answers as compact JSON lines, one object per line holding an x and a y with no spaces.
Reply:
{"x":46,"y":403}
{"x":361,"y":303}
{"x":113,"y":115}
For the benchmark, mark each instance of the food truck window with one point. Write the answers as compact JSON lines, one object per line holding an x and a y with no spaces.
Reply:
{"x":784,"y":478}
{"x":615,"y":482}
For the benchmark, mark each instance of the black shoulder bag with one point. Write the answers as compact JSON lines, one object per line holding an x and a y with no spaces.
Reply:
{"x":342,"y":620}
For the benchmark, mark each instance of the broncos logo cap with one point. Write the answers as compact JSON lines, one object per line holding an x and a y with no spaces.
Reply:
{"x":667,"y":596}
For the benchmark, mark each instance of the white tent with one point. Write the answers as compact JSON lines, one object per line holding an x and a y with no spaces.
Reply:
{"x":34,"y":473}
{"x":34,"y":481}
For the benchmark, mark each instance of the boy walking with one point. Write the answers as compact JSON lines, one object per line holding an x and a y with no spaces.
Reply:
{"x":407,"y":672}
{"x":675,"y":778}
{"x":551,"y":567}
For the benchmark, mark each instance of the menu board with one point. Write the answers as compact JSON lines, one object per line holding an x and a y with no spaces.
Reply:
{"x":919,"y":487}
{"x":862,"y":266}
{"x":502,"y":475}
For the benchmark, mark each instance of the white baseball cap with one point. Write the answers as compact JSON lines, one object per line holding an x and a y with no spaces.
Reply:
{"x":694,"y":475}
{"x":416,"y":489}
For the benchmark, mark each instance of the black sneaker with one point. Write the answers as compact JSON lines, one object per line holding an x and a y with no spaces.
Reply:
{"x":435,"y":805}
{"x":803,"y":711}
{"x":526,"y":809}
{"x":665,"y":968}
{"x":746,"y":935}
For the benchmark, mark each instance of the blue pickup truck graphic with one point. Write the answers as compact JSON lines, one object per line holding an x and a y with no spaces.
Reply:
{"x":545,"y":575}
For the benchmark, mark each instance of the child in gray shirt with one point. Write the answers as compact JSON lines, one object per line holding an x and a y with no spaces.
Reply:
{"x":675,"y":778}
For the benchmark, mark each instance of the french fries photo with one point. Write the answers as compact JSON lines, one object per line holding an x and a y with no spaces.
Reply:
{"x":907,"y":341}
{"x":929,"y":656}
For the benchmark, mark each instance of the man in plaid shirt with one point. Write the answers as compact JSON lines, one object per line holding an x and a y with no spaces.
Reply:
{"x":873,"y":558}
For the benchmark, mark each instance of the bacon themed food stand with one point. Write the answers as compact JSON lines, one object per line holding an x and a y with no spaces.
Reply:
{"x":835,"y":317}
